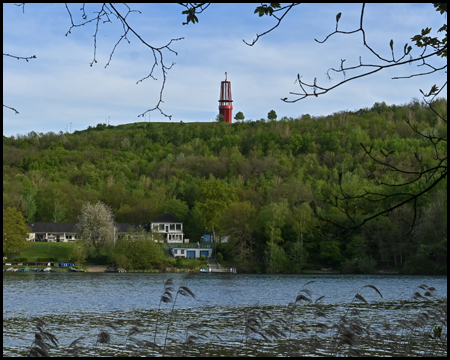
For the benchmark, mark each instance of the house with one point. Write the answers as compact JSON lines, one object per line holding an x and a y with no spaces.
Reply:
{"x":52,"y":232}
{"x":65,"y":232}
{"x":170,"y":227}
{"x":192,"y":251}
{"x":167,"y":225}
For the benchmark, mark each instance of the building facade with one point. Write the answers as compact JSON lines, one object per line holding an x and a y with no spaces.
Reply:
{"x":169,"y":227}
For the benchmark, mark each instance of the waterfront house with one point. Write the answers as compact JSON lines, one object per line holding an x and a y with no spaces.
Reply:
{"x":191,"y":251}
{"x":169,"y":227}
{"x":66,"y":232}
{"x":52,"y":232}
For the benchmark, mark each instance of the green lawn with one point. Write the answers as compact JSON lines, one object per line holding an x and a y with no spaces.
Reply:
{"x":58,"y":250}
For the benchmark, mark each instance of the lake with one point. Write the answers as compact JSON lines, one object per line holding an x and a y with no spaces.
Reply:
{"x":242,"y":314}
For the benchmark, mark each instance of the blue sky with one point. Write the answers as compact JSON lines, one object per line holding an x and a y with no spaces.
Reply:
{"x":59,"y":91}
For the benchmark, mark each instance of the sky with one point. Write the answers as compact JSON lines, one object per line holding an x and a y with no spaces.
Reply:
{"x":60,"y":91}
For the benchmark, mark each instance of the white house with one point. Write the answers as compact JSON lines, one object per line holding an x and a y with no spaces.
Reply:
{"x":167,"y":225}
{"x":170,"y":227}
{"x":52,"y":232}
{"x":66,"y":232}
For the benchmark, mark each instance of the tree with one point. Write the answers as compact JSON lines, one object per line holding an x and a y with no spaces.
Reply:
{"x":427,"y":50}
{"x":239,"y":116}
{"x":78,"y":253}
{"x":220,"y":118}
{"x":238,"y":222}
{"x":29,"y":201}
{"x":96,"y":227}
{"x":213,"y":199}
{"x":272,"y":115}
{"x":59,"y":213}
{"x":15,"y":231}
{"x":428,"y":53}
{"x":137,"y":250}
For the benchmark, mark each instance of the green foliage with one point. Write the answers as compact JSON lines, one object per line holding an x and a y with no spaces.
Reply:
{"x":137,"y":251}
{"x":272,"y":115}
{"x":253,"y":181}
{"x":220,"y":118}
{"x":78,"y":253}
{"x":277,"y":261}
{"x":219,"y":257}
{"x":266,"y":9}
{"x":239,"y":116}
{"x":15,"y":231}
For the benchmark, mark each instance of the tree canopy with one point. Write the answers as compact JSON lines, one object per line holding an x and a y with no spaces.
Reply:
{"x":96,"y":227}
{"x":15,"y":231}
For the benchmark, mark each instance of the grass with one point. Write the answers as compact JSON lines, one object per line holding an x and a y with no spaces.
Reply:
{"x":302,"y":328}
{"x":58,"y":250}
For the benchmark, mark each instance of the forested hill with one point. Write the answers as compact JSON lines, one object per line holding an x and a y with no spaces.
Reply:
{"x":252,"y":180}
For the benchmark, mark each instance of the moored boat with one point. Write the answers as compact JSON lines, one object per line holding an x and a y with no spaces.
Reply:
{"x":76,"y":270}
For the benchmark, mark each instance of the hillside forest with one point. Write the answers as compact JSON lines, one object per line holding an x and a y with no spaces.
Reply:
{"x":252,"y":180}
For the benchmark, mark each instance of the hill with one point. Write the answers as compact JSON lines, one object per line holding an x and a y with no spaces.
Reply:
{"x":251,"y":180}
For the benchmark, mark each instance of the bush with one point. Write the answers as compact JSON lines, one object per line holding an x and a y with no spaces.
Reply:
{"x":178,"y":263}
{"x":349,"y":267}
{"x":22,"y":259}
{"x":219,"y":257}
{"x":366,"y":264}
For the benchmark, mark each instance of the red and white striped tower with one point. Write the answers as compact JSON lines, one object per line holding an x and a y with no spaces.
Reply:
{"x":225,"y":107}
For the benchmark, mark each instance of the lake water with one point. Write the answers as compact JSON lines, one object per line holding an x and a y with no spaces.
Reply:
{"x":221,"y":315}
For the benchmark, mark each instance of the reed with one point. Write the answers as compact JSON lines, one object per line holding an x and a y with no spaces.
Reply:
{"x":302,"y":328}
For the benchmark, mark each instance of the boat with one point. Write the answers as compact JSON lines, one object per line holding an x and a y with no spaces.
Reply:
{"x":76,"y":270}
{"x":203,"y":271}
{"x":47,"y":269}
{"x":11,"y":269}
{"x":35,"y":269}
{"x":26,"y":269}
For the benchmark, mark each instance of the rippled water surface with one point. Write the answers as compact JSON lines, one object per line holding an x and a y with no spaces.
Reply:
{"x":83,"y":304}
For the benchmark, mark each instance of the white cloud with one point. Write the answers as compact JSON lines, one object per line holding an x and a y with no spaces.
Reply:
{"x":60,"y":87}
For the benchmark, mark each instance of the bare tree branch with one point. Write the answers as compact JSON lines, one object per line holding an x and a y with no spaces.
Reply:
{"x":106,"y":13}
{"x":11,"y":108}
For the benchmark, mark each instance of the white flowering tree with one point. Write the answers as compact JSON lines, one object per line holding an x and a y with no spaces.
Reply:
{"x":96,"y":227}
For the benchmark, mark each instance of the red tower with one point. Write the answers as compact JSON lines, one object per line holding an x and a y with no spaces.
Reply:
{"x":225,"y":107}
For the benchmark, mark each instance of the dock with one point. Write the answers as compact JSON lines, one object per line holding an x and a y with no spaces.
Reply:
{"x":214,"y":267}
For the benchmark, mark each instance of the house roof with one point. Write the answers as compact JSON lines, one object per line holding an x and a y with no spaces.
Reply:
{"x":166,"y":218}
{"x":52,"y":227}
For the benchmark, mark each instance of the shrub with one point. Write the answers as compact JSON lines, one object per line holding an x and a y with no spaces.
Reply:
{"x":219,"y":257}
{"x":366,"y":264}
{"x":22,"y":259}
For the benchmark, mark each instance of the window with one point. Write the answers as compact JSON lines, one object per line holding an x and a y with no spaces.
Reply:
{"x":182,"y":251}
{"x":179,"y":227}
{"x":172,"y":226}
{"x":161,"y":227}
